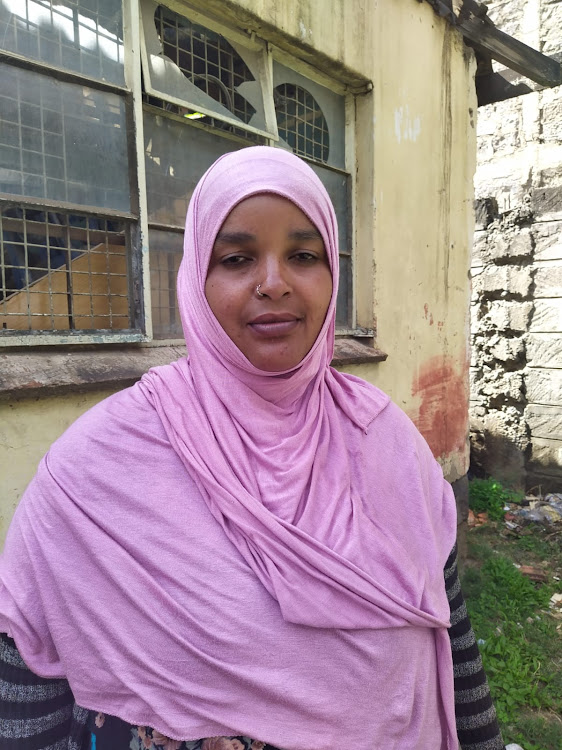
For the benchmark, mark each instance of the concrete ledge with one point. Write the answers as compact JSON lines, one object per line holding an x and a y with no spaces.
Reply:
{"x":33,"y":373}
{"x":349,"y":351}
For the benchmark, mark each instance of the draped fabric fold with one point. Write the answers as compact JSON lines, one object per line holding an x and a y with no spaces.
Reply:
{"x":213,"y":550}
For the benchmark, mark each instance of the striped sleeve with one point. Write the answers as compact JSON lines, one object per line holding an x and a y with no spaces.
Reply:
{"x":35,"y":713}
{"x":477,"y":725}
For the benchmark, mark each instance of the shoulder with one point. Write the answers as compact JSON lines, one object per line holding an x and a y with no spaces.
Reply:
{"x":122,"y":412}
{"x":121,"y":428}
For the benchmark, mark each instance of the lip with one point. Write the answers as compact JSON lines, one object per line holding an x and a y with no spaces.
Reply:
{"x":274,"y":324}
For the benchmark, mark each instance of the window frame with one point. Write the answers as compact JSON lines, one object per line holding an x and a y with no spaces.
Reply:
{"x":138,"y":303}
{"x":141,"y":313}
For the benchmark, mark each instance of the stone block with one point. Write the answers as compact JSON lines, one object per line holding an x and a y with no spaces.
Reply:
{"x":537,"y":481}
{"x":551,"y":118}
{"x":508,"y":350}
{"x":548,"y":240}
{"x":485,"y":212}
{"x":513,"y":245}
{"x":474,"y":376}
{"x":546,"y":316}
{"x":509,"y":279}
{"x":546,"y":202}
{"x":507,"y":316}
{"x":548,"y":280}
{"x":544,"y":386}
{"x":544,"y":350}
{"x":546,"y":455}
{"x":475,"y":350}
{"x":498,"y":443}
{"x":507,"y":385}
{"x":509,"y":17}
{"x":544,"y":421}
{"x":550,"y":25}
{"x":479,"y":248}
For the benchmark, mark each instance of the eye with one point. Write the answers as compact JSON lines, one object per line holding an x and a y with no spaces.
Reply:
{"x":306,"y":257}
{"x":232,"y":261}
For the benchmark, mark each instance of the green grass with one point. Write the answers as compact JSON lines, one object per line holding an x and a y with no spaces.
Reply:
{"x":520,"y":644}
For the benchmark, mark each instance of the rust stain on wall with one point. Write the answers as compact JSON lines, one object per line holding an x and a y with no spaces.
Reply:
{"x":442,"y":418}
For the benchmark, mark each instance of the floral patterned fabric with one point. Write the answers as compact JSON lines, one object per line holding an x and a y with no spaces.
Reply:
{"x":110,"y":733}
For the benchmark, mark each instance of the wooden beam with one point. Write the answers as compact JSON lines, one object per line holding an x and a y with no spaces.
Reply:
{"x":476,"y":27}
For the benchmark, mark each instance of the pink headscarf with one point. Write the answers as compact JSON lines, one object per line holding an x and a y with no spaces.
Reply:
{"x":324,"y":494}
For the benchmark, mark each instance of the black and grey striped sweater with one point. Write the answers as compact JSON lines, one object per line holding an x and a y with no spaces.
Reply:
{"x":40,"y":714}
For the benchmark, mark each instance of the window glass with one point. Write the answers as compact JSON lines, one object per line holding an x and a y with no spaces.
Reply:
{"x":84,"y":36}
{"x":337,"y":185}
{"x":301,"y":122}
{"x":62,"y":141}
{"x":62,"y":271}
{"x":166,"y":250}
{"x":310,"y":117}
{"x":176,"y":156}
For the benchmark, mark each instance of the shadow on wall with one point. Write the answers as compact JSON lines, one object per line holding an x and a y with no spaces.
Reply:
{"x":496,"y":455}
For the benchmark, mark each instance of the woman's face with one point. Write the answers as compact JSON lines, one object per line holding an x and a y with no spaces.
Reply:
{"x":266,"y":240}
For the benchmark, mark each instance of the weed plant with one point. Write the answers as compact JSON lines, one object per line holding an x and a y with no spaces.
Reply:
{"x":488,"y":495}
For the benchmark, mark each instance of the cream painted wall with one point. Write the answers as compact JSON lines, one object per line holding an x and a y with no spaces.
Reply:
{"x":27,"y":429}
{"x":416,"y":154}
{"x":424,"y":161}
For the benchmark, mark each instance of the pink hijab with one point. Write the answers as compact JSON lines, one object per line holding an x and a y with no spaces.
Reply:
{"x":316,"y":498}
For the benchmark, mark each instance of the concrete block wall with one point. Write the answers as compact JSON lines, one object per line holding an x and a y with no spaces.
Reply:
{"x":516,"y":319}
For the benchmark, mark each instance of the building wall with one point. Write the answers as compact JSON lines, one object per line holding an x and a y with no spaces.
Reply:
{"x":516,"y":373}
{"x":415,"y":142}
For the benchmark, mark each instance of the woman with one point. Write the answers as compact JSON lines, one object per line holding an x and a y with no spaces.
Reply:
{"x":246,"y":547}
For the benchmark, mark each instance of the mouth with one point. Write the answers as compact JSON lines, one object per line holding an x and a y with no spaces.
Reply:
{"x":274,"y":324}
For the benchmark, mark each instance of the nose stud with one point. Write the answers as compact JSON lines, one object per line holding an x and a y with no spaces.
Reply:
{"x":260,"y":294}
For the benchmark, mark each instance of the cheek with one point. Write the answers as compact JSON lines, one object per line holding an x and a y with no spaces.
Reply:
{"x":324,"y":293}
{"x":223,"y":301}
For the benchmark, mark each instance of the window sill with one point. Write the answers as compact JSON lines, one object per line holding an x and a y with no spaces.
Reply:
{"x":28,"y":374}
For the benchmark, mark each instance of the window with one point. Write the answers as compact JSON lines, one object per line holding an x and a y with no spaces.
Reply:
{"x":71,"y":203}
{"x":223,"y":89}
{"x":66,"y":216}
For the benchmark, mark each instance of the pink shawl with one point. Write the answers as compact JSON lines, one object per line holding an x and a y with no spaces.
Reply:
{"x":221,"y":550}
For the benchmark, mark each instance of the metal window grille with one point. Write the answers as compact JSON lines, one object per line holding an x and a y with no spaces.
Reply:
{"x":84,"y":36}
{"x":48,"y":133}
{"x":62,"y":271}
{"x":301,"y":122}
{"x":207,"y":59}
{"x":166,"y":251}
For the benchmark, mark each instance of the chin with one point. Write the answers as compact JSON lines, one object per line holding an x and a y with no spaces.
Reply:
{"x":273,"y":363}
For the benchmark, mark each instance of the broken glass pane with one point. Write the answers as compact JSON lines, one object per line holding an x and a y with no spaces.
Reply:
{"x":195,"y":67}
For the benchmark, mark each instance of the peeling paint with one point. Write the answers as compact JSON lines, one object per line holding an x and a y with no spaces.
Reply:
{"x":303,"y":31}
{"x":406,"y":128}
{"x":442,"y":418}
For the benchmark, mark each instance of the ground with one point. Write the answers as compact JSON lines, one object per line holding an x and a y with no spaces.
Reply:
{"x":511,"y":580}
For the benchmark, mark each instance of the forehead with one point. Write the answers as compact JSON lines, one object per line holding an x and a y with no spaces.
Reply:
{"x":261,"y":212}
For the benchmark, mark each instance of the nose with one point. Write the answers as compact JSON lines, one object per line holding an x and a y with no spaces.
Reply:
{"x":276,"y":279}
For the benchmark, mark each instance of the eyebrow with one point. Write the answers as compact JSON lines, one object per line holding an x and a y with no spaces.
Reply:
{"x":236,"y":238}
{"x":305,"y":234}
